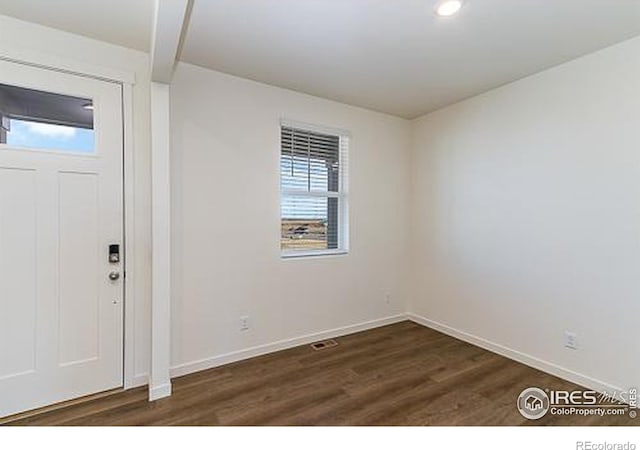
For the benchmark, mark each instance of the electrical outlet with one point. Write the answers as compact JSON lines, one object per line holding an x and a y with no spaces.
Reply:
{"x":571,"y":340}
{"x":387,"y":298}
{"x":244,"y":323}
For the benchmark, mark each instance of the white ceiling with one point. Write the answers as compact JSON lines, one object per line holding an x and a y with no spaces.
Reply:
{"x":393,"y":56}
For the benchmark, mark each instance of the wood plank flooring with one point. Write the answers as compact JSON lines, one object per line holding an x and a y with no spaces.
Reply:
{"x":401,"y":374}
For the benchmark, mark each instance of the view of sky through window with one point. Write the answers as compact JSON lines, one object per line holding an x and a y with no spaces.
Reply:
{"x":49,"y":136}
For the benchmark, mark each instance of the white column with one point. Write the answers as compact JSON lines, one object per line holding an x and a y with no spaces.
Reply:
{"x":159,"y":380}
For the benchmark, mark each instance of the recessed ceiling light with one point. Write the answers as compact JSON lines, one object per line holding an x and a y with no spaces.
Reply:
{"x":446,"y":8}
{"x":88,"y":106}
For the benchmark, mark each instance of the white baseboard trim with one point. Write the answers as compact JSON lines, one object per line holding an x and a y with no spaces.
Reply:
{"x":141,"y":379}
{"x":515,"y":355}
{"x":158,"y":392}
{"x":215,"y":361}
{"x":531,"y":361}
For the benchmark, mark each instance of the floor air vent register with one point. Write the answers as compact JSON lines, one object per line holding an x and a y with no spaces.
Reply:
{"x":324,"y":344}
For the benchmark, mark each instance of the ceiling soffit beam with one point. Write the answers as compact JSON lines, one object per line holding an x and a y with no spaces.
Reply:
{"x":170,"y":23}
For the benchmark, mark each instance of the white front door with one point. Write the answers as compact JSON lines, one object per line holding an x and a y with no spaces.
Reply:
{"x":61,"y":208}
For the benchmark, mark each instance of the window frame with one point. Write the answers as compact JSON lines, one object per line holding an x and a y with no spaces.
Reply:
{"x":342,"y":194}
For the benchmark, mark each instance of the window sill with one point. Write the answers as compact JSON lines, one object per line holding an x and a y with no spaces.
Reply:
{"x":313,"y":254}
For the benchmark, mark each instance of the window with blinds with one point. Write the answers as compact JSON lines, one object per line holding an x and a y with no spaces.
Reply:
{"x":313,"y":204}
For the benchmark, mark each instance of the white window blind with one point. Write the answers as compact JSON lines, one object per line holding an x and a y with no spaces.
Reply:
{"x":313,"y":183}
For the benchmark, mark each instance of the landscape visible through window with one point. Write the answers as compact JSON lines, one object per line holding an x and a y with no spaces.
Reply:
{"x":310,"y":199}
{"x":305,"y":222}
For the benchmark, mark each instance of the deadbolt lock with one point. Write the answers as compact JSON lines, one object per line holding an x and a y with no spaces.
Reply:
{"x":114,"y":253}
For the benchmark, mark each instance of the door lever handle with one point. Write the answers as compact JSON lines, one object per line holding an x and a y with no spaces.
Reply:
{"x":113,"y":276}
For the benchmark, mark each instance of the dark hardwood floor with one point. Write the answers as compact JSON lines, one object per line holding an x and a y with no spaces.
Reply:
{"x":401,"y":374}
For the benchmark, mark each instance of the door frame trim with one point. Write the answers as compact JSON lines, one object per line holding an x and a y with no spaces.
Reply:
{"x":126,"y":80}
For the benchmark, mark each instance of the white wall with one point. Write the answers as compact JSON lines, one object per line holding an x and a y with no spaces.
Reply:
{"x":16,"y":35}
{"x":226,"y":223}
{"x":526,"y":215}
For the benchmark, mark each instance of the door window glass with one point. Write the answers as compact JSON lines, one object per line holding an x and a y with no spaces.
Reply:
{"x":45,"y":121}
